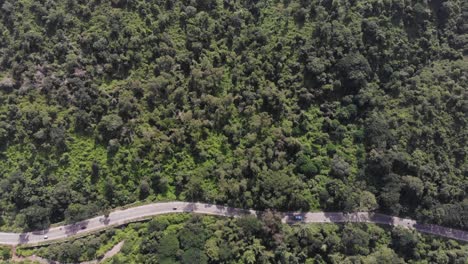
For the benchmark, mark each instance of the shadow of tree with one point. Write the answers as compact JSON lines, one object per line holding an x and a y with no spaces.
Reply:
{"x":23,"y":238}
{"x":381,"y":219}
{"x":40,"y":232}
{"x":190,"y":207}
{"x":75,"y":228}
{"x":336,"y":217}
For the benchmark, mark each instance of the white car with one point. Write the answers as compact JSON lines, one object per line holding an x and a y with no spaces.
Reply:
{"x":46,"y":237}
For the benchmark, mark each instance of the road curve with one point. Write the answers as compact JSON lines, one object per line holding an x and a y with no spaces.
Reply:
{"x":121,"y":217}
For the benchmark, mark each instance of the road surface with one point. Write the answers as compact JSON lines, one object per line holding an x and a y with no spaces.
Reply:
{"x":125,"y":216}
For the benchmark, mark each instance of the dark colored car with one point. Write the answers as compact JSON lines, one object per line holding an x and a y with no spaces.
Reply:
{"x":298,"y":218}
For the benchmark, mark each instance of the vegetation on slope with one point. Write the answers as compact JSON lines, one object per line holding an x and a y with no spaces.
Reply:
{"x":207,"y":239}
{"x":291,"y":105}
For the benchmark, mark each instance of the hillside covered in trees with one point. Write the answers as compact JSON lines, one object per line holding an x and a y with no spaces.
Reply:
{"x":189,"y":239}
{"x":289,"y":105}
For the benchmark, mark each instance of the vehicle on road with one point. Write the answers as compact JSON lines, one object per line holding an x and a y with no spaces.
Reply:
{"x":297,"y":217}
{"x":46,"y":237}
{"x":174,"y":208}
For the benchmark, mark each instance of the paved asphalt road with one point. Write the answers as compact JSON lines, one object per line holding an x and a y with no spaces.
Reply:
{"x":141,"y":212}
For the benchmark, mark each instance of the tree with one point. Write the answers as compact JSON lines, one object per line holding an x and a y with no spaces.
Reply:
{"x":192,"y":235}
{"x":384,"y":255}
{"x":79,"y":212}
{"x":306,"y":166}
{"x":194,"y":256}
{"x":168,"y":246}
{"x":109,"y":190}
{"x":355,"y":71}
{"x":95,"y":170}
{"x":367,"y":201}
{"x":390,"y":197}
{"x":226,"y":252}
{"x":128,"y":107}
{"x":355,"y":241}
{"x":7,"y":84}
{"x":69,"y":252}
{"x":413,"y":188}
{"x":377,"y":132}
{"x":194,"y":189}
{"x":144,"y":189}
{"x":404,"y":242}
{"x":37,"y":217}
{"x":299,"y":13}
{"x":110,"y":126}
{"x":249,"y":257}
{"x":5,"y":253}
{"x":351,"y":201}
{"x":57,"y":137}
{"x":212,"y":249}
{"x":340,"y":168}
{"x":83,"y":121}
{"x":250,"y":225}
{"x":272,"y":226}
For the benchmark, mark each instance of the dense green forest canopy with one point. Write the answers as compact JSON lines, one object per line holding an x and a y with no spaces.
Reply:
{"x":194,"y":239}
{"x":289,"y":105}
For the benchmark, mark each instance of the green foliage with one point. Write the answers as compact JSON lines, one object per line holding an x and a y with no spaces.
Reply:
{"x":166,"y":239}
{"x":5,"y":253}
{"x":355,"y":70}
{"x":405,"y":242}
{"x":291,"y":105}
{"x":110,"y":125}
{"x":193,"y":256}
{"x":36,"y":217}
{"x":168,"y":247}
{"x":78,"y":212}
{"x":307,"y":166}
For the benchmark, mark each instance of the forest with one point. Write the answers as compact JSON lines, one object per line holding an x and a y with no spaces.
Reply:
{"x":198,"y":239}
{"x":332,"y":105}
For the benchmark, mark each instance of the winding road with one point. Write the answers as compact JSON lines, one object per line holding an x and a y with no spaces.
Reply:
{"x":121,"y":217}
